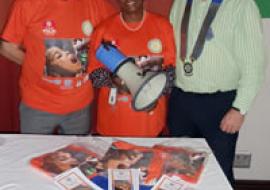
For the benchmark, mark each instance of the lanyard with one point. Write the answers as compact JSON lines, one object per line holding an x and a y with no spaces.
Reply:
{"x":199,"y":45}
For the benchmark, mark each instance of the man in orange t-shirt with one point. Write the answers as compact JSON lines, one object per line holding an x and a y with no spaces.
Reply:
{"x":146,"y":37}
{"x":49,"y":39}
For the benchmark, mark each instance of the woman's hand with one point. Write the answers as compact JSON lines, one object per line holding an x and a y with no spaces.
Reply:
{"x":153,"y":63}
{"x":120,"y":85}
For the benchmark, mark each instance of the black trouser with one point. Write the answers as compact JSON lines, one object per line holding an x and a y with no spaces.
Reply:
{"x":199,"y":116}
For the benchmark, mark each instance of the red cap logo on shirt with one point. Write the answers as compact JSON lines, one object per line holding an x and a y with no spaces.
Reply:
{"x":48,"y":28}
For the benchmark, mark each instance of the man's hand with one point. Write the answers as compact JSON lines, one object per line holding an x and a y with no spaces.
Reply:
{"x":232,"y":121}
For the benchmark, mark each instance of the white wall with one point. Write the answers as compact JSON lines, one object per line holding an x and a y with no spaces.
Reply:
{"x":255,"y":134}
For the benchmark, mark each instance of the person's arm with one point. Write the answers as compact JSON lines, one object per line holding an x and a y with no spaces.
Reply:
{"x":169,"y":58}
{"x":170,"y":49}
{"x":101,"y":10}
{"x":249,"y":53}
{"x":98,"y":74}
{"x":15,"y":30}
{"x":12,"y":51}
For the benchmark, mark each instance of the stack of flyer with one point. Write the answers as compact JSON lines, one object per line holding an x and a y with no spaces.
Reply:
{"x":119,"y":157}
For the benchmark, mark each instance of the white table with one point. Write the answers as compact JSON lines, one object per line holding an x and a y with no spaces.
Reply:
{"x":17,"y":174}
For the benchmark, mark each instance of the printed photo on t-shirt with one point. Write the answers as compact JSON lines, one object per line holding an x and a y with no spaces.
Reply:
{"x":66,"y":57}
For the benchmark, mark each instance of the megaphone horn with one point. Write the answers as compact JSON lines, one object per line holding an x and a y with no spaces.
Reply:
{"x":145,"y":88}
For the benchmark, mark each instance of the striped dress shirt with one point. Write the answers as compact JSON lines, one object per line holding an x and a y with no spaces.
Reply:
{"x":233,"y":55}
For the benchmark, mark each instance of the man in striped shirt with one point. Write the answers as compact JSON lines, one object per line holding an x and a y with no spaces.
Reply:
{"x":212,"y":96}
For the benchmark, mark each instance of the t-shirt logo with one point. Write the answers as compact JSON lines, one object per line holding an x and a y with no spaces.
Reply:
{"x":48,"y":28}
{"x":155,"y":45}
{"x":87,"y":28}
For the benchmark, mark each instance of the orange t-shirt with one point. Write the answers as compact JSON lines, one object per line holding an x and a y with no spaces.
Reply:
{"x":55,"y":35}
{"x":152,"y":37}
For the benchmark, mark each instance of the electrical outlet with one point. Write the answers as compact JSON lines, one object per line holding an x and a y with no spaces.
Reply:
{"x":242,"y":160}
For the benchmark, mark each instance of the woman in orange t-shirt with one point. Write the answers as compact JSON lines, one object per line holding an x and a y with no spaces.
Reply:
{"x":149,"y":39}
{"x":49,"y":40}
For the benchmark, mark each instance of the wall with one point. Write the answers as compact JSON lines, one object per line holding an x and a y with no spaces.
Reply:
{"x":255,"y":134}
{"x":161,"y":6}
{"x":4,"y":9}
{"x":9,"y":73}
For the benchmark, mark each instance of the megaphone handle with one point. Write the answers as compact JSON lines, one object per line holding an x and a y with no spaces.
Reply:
{"x":170,"y":72}
{"x":143,"y":72}
{"x":120,"y":85}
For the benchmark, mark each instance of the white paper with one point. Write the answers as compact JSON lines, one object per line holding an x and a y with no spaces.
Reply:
{"x":127,"y":179}
{"x":74,"y":179}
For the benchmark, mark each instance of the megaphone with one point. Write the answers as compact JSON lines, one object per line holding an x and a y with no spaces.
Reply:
{"x":145,"y":88}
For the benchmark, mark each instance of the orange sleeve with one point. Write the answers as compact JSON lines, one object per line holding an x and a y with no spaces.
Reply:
{"x":96,"y":39}
{"x":108,"y":9}
{"x":19,"y":19}
{"x":169,"y":49}
{"x":101,"y":10}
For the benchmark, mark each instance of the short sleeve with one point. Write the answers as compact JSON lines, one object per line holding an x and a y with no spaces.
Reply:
{"x":18,"y":21}
{"x":96,"y":39}
{"x":169,"y":50}
{"x":100,"y":10}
